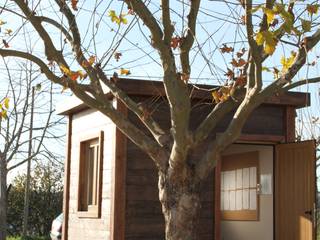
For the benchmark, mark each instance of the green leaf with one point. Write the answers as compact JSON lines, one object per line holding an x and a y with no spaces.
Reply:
{"x":306,"y":25}
{"x":287,"y":17}
{"x":266,"y":69}
{"x":38,"y":87}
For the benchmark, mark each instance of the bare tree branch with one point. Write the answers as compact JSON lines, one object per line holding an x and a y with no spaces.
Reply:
{"x":166,"y":19}
{"x":188,"y":40}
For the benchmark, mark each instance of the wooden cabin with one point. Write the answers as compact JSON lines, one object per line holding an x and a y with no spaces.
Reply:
{"x":264,"y":189}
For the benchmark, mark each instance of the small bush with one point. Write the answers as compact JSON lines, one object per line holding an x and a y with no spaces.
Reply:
{"x":27,"y":238}
{"x":45,"y":187}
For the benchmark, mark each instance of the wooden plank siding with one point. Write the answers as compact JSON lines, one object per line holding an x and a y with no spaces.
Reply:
{"x":295,"y":188}
{"x":144,"y":219}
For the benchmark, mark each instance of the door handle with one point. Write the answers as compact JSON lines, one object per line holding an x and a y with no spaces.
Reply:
{"x":313,"y":214}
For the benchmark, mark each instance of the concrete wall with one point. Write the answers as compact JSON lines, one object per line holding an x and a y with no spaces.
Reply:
{"x":253,"y":230}
{"x":85,"y":123}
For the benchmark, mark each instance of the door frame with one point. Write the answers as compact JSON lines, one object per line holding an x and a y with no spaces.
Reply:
{"x":261,"y":140}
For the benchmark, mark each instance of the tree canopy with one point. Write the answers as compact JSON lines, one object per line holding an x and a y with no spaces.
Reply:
{"x":253,"y":49}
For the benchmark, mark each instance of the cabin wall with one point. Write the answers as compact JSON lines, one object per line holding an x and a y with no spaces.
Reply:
{"x":144,"y":219}
{"x":263,"y":228}
{"x":265,"y":120}
{"x":143,"y":215}
{"x":83,"y":124}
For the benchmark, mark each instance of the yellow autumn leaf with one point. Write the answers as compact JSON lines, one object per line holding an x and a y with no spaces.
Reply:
{"x":89,"y":62}
{"x":65,"y":70}
{"x":125,"y":71}
{"x":215,"y":96}
{"x":8,"y":31}
{"x":117,"y":19}
{"x":92,"y":59}
{"x":270,"y":14}
{"x":260,"y":38}
{"x":113,"y":15}
{"x":270,"y":42}
{"x":123,"y":19}
{"x":268,"y":39}
{"x":2,"y":22}
{"x":269,"y":48}
{"x":4,"y":114}
{"x":278,"y":8}
{"x":287,"y":62}
{"x":6,"y":102}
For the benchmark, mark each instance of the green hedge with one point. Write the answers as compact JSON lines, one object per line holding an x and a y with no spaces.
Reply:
{"x":27,"y":238}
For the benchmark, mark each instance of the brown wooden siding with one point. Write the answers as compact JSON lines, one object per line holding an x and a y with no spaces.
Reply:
{"x":144,"y":219}
{"x":265,"y":120}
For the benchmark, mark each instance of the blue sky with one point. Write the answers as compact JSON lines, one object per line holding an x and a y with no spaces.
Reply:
{"x":217,"y":24}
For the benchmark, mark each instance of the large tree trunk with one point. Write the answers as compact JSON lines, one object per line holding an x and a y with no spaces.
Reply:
{"x":180,"y":199}
{"x":3,"y":199}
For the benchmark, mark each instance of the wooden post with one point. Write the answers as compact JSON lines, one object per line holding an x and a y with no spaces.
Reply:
{"x":66,"y":190}
{"x":290,"y":124}
{"x":118,"y":213}
{"x":217,"y":200}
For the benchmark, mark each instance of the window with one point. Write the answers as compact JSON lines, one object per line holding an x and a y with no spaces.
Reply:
{"x":89,"y":194}
{"x":239,"y":181}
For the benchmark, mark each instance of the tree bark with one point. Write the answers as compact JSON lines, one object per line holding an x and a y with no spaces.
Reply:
{"x":180,"y":199}
{"x":3,"y":199}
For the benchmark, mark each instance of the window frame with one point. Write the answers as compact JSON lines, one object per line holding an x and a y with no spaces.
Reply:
{"x":240,"y":161}
{"x":93,"y":211}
